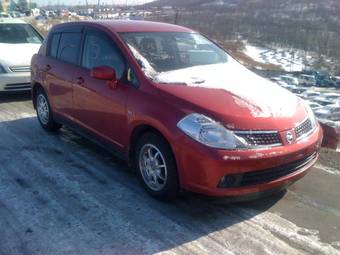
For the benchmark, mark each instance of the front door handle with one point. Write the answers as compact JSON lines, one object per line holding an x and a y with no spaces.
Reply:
{"x":47,"y":68}
{"x":80,"y":80}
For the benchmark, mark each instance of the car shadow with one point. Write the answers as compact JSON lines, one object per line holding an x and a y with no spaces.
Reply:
{"x":6,"y":97}
{"x":102,"y":193}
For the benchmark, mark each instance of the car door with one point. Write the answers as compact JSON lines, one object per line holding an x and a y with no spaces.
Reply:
{"x":99,"y":107}
{"x":63,"y":56}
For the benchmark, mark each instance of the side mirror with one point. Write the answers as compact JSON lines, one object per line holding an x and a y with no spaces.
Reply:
{"x":105,"y":73}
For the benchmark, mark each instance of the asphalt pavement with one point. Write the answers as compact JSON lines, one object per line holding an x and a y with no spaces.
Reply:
{"x":61,"y":194}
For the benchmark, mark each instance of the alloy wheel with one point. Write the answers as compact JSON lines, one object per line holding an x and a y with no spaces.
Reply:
{"x":153,"y":167}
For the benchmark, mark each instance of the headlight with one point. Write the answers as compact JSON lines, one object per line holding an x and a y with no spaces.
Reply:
{"x":311,"y":116}
{"x":211,"y":133}
{"x":2,"y":69}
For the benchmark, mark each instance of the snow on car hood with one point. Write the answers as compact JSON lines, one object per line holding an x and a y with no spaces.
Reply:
{"x":231,"y":89}
{"x":17,"y":54}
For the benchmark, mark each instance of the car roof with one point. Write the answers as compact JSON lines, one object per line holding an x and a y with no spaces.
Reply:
{"x":11,"y":21}
{"x":130,"y":26}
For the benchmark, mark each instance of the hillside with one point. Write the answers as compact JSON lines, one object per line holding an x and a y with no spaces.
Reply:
{"x":308,"y":25}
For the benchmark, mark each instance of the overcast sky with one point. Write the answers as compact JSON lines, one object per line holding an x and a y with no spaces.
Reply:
{"x":76,"y":2}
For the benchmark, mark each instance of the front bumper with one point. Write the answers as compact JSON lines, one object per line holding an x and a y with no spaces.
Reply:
{"x":201,"y":168}
{"x":16,"y":81}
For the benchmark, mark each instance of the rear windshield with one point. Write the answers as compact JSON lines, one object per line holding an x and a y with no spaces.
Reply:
{"x":19,"y":33}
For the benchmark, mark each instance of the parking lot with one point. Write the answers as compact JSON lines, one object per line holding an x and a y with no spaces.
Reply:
{"x":60,"y":194}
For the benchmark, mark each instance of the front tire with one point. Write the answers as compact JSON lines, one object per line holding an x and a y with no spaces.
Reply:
{"x":156,"y":166}
{"x":44,"y":112}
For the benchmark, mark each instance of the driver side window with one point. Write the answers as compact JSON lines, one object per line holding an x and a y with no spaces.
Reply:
{"x":100,"y":50}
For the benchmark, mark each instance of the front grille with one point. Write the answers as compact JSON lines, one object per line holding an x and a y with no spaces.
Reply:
{"x":18,"y":86}
{"x":264,"y":176}
{"x":19,"y":69}
{"x":260,"y":138}
{"x":304,"y":128}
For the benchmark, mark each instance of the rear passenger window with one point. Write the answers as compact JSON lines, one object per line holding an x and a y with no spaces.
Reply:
{"x":69,"y":46}
{"x":99,"y":50}
{"x":54,"y":45}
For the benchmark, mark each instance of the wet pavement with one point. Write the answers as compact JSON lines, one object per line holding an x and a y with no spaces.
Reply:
{"x":60,"y":194}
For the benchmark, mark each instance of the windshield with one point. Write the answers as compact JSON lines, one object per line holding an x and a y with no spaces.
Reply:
{"x":19,"y":33}
{"x":168,"y":51}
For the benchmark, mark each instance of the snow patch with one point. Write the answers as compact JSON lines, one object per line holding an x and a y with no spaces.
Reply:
{"x":290,"y":60}
{"x":329,"y":170}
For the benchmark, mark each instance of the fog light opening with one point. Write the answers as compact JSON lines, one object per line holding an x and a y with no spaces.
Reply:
{"x":229,"y":181}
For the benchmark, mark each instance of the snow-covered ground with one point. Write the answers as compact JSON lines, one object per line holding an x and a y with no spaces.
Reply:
{"x":289,"y":60}
{"x":60,"y":194}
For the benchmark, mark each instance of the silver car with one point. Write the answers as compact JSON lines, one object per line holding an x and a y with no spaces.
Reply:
{"x":19,"y":41}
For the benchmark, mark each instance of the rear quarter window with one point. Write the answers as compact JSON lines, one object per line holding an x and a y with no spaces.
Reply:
{"x":69,"y":46}
{"x":54,"y":44}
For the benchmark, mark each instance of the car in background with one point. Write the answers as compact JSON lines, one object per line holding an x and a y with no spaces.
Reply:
{"x":153,"y":93}
{"x":289,"y":80}
{"x":336,"y":81}
{"x":322,"y":100}
{"x":323,"y":79}
{"x":307,"y":80}
{"x":5,"y":15}
{"x":296,"y":89}
{"x":314,"y":106}
{"x":310,"y":94}
{"x":329,"y":112}
{"x":19,"y":41}
{"x":332,"y":97}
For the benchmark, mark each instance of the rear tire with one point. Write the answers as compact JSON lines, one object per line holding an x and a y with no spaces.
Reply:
{"x":44,"y":112}
{"x":156,"y":166}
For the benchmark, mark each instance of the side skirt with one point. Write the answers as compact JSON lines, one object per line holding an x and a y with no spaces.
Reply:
{"x":91,"y":137}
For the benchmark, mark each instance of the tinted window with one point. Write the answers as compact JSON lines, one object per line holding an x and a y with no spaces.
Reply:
{"x":69,"y":46}
{"x":99,"y":50}
{"x":54,"y":45}
{"x":19,"y":33}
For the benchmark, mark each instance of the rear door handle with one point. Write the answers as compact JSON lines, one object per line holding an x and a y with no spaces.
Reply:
{"x":80,"y":81}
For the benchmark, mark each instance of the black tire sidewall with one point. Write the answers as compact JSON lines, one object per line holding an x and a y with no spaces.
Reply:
{"x":170,"y":190}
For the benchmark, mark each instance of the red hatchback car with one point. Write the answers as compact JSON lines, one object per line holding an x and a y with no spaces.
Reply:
{"x":176,"y":106}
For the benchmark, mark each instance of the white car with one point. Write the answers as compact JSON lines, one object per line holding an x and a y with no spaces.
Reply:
{"x":333,"y":97}
{"x":329,"y":112}
{"x":19,"y":41}
{"x":289,"y":80}
{"x":314,"y":106}
{"x":4,"y":15}
{"x":310,"y":94}
{"x":307,"y":80}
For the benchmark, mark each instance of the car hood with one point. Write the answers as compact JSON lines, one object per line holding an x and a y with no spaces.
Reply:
{"x":17,"y":54}
{"x":232,"y":94}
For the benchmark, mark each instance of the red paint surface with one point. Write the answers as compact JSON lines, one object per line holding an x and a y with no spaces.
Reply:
{"x":114,"y":113}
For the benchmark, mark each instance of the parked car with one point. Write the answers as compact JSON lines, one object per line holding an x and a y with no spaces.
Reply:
{"x":314,"y":106}
{"x":336,"y":81}
{"x":18,"y":42}
{"x":307,"y":80}
{"x":332,"y":97}
{"x":329,"y":112}
{"x":289,"y":80}
{"x":5,"y":15}
{"x":154,"y":94}
{"x":323,"y":79}
{"x":310,"y":94}
{"x":322,"y":100}
{"x":296,"y":89}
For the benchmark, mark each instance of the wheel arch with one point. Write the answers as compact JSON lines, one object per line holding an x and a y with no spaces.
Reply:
{"x":138,"y":131}
{"x":36,"y":86}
